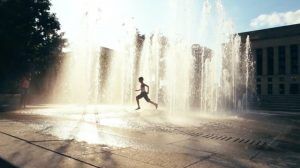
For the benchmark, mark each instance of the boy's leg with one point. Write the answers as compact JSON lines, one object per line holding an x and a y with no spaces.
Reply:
{"x":138,"y":102}
{"x":155,"y":104}
{"x":149,"y":101}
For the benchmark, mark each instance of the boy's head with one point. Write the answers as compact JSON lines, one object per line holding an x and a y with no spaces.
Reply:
{"x":141,"y":79}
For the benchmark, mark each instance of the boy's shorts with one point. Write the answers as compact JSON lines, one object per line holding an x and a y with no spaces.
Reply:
{"x":143,"y":95}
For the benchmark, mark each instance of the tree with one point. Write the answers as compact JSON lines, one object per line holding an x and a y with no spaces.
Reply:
{"x":30,"y":38}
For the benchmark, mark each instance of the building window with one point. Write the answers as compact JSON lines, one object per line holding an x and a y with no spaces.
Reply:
{"x":281,"y":89}
{"x":270,"y":89}
{"x":294,"y":59}
{"x":270,"y":57}
{"x":281,"y":60}
{"x":258,"y":79}
{"x":259,"y":60}
{"x":270,"y":79}
{"x":294,"y":78}
{"x":294,"y":88}
{"x":281,"y":79}
{"x":258,"y":89}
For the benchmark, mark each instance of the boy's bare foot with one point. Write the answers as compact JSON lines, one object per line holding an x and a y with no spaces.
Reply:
{"x":138,"y":108}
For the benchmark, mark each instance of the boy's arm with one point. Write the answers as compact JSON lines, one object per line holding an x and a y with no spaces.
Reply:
{"x":147,"y":88}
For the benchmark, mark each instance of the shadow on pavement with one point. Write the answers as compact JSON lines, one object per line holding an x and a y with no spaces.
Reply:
{"x":109,"y":162}
{"x":5,"y":164}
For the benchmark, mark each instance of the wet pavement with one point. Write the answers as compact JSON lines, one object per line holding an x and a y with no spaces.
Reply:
{"x":118,"y":136}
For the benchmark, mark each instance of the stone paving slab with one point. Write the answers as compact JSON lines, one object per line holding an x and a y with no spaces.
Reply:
{"x":22,"y":154}
{"x":222,"y":162}
{"x":74,"y":148}
{"x":110,"y":160}
{"x":144,"y":136}
{"x":282,"y":159}
{"x":160,"y":158}
{"x":26,"y":155}
{"x":243,"y":151}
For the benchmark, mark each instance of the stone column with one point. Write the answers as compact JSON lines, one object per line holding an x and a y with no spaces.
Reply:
{"x":298,"y":60}
{"x":288,"y":60}
{"x":288,"y":68}
{"x":276,"y":72}
{"x":264,"y":79}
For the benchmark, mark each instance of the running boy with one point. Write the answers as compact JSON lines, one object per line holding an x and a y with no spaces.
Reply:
{"x":143,"y":94}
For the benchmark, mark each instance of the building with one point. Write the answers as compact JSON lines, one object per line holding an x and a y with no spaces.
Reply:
{"x":276,"y":53}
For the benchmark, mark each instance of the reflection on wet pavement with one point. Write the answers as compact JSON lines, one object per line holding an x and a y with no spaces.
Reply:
{"x":146,"y":133}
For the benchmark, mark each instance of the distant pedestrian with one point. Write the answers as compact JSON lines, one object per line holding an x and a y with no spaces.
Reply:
{"x":144,"y":94}
{"x":24,"y":87}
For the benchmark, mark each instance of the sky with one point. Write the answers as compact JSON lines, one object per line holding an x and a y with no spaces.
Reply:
{"x":106,"y":18}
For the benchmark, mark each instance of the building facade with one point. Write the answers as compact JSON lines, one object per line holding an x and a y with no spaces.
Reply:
{"x":276,"y":52}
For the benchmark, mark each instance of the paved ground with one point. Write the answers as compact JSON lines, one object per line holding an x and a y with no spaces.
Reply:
{"x":112,"y":136}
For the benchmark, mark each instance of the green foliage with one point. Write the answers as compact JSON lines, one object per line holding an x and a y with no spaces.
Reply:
{"x":30,"y":40}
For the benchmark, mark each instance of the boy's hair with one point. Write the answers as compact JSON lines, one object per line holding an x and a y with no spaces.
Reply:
{"x":141,"y":79}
